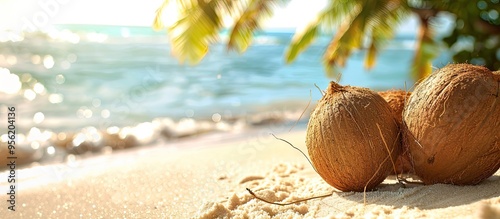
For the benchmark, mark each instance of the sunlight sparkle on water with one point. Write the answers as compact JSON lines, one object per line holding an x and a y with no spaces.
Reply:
{"x":29,"y":94}
{"x":56,"y":98}
{"x":60,"y":79}
{"x":36,"y":59}
{"x":26,"y":77}
{"x":19,"y":138}
{"x":96,"y":102}
{"x":38,"y":117}
{"x":105,"y":113}
{"x":51,"y":150}
{"x":48,"y":61}
{"x":65,"y":65}
{"x":216,"y":117}
{"x":11,"y":60}
{"x":72,"y":58}
{"x":61,"y":136}
{"x":144,"y":132}
{"x":113,"y":130}
{"x":39,"y":88}
{"x":35,"y":145}
{"x":78,"y":139}
{"x":9,"y":83}
{"x":36,"y":135}
{"x":65,"y":35}
{"x":84,"y":112}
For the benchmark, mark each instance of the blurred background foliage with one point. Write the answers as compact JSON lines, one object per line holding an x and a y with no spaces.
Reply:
{"x":475,"y":37}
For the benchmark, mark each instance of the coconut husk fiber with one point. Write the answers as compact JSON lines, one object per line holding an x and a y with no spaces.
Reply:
{"x":349,"y":137}
{"x":397,"y":100}
{"x":452,"y":125}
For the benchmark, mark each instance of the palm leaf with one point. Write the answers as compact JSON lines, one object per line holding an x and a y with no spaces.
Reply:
{"x":371,"y":54}
{"x":381,"y":25}
{"x":249,"y":21}
{"x":197,"y":27}
{"x":301,"y":42}
{"x":426,"y":51}
{"x":339,"y":50}
{"x":376,"y":19}
{"x":158,"y":21}
{"x":230,"y":7}
{"x":348,"y":37}
{"x":336,"y":11}
{"x":200,"y":21}
{"x":327,"y":19}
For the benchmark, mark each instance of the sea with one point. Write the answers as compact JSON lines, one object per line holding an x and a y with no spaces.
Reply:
{"x":84,"y":89}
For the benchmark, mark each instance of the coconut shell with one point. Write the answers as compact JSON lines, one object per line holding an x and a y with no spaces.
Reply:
{"x":396,"y":100}
{"x":452,"y":125}
{"x":344,"y":142}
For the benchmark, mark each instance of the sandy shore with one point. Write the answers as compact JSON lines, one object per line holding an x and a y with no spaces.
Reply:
{"x":207,"y":178}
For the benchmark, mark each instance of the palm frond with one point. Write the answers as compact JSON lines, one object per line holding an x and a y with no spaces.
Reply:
{"x":192,"y":34}
{"x":301,"y":42}
{"x":326,"y":19}
{"x":333,"y":72}
{"x":376,"y":19}
{"x":426,"y":51}
{"x":348,"y":37}
{"x":231,"y":7}
{"x":158,"y":21}
{"x":249,"y":21}
{"x":199,"y":22}
{"x":382,"y":26}
{"x":335,"y":12}
{"x":371,"y":54}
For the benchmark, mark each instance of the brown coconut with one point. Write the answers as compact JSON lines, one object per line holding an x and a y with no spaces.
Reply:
{"x":396,"y":100}
{"x":344,"y":141}
{"x":452,"y":125}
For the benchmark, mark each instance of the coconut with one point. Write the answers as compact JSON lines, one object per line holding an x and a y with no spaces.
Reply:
{"x":352,"y":138}
{"x":452,"y":125}
{"x":396,"y":100}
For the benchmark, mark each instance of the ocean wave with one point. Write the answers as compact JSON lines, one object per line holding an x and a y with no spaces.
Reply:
{"x":46,"y":146}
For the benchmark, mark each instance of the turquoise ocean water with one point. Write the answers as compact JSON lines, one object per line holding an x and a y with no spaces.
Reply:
{"x":88,"y":82}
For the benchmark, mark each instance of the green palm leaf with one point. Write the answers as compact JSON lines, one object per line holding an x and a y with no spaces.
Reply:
{"x":301,"y":42}
{"x":357,"y":19}
{"x":193,"y":32}
{"x":426,"y":51}
{"x":381,"y":25}
{"x":158,"y":21}
{"x":327,"y":19}
{"x":371,"y":54}
{"x":376,"y":19}
{"x":250,"y":20}
{"x":348,"y":37}
{"x":200,"y":21}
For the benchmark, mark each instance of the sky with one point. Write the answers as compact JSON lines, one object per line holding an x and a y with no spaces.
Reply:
{"x":15,"y":14}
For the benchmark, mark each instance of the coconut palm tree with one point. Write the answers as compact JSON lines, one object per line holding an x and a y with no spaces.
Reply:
{"x":352,"y":21}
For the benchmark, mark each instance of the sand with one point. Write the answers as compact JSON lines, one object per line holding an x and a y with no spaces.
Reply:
{"x":207,"y":178}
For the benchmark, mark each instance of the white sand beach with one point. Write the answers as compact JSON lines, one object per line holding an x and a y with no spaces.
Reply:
{"x":207,"y":178}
